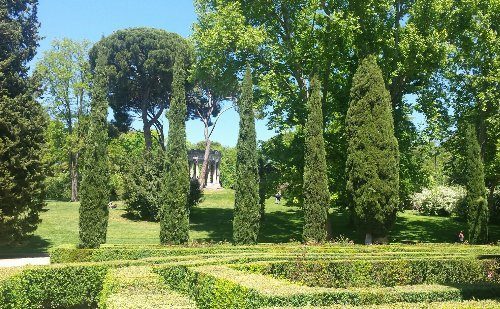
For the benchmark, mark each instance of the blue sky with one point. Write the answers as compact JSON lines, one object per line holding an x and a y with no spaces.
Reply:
{"x":92,"y":19}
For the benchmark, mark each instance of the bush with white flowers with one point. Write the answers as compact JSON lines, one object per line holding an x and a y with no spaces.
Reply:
{"x":438,"y":201}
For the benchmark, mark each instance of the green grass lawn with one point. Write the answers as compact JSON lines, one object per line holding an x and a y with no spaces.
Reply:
{"x":211,"y":221}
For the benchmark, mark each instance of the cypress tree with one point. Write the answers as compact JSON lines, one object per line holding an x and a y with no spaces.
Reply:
{"x":316,"y":195}
{"x":22,"y":123}
{"x":95,"y":184}
{"x":174,"y":222}
{"x":372,"y":153}
{"x":475,"y":200}
{"x":246,"y":204}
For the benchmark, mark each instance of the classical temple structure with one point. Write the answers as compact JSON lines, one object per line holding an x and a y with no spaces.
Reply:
{"x":195,"y":158}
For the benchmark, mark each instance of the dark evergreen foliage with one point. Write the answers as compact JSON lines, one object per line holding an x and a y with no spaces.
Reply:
{"x":247,"y":209}
{"x":372,"y":154}
{"x":22,"y":123}
{"x":475,"y":200}
{"x":316,"y":195}
{"x":195,"y":193}
{"x":95,"y":184}
{"x":174,"y":222}
{"x":143,"y":180}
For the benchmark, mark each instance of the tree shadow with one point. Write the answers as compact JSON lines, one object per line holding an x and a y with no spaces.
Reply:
{"x":215,"y":222}
{"x":471,"y":291}
{"x":281,"y":226}
{"x":31,"y":246}
{"x":435,"y":229}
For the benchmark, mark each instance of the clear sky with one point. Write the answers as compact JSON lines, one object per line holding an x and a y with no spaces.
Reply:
{"x":92,"y":19}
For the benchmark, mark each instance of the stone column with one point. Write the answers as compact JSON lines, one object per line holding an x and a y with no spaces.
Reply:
{"x":211,"y":173}
{"x":217,"y":181}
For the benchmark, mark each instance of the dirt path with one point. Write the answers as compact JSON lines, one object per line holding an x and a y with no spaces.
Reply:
{"x":24,"y":261}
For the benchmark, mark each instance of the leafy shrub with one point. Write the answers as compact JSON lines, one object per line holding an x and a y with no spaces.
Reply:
{"x":58,"y":187}
{"x":438,"y":201}
{"x":142,"y":184}
{"x":195,"y":193}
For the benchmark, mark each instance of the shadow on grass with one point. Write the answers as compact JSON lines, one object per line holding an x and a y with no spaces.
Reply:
{"x":31,"y":246}
{"x":478,"y":290}
{"x":215,"y":222}
{"x":281,"y":226}
{"x":442,"y":230}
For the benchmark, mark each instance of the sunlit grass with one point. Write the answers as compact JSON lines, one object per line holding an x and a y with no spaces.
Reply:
{"x":212,"y":221}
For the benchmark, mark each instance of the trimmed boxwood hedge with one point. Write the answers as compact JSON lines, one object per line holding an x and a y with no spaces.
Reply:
{"x":139,"y":287}
{"x":119,"y":276}
{"x":53,"y":287}
{"x":69,"y":254}
{"x":367,"y":273}
{"x":222,"y":286}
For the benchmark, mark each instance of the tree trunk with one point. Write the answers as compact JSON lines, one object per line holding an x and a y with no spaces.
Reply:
{"x":368,"y":239}
{"x":205,"y":163}
{"x":146,"y":127}
{"x":73,"y":161}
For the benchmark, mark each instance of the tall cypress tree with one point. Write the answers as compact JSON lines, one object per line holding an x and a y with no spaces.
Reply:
{"x":22,"y":123}
{"x":475,"y":200}
{"x":174,"y":217}
{"x":95,"y":184}
{"x":372,"y":155}
{"x":316,"y":195}
{"x":246,"y":221}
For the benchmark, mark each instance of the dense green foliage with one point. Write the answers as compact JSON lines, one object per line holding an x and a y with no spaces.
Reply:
{"x":22,"y":123}
{"x":142,"y":180}
{"x":372,"y":152}
{"x":174,"y":216}
{"x":316,"y":195}
{"x":95,"y":184}
{"x":21,"y":169}
{"x":65,"y":76}
{"x":429,"y":62}
{"x":475,"y":201}
{"x":140,"y":78}
{"x":246,"y":220}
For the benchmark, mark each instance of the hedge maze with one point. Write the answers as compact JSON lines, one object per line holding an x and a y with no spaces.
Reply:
{"x":260,"y":276}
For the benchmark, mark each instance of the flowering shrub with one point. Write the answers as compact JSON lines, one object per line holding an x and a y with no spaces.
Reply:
{"x":438,"y":201}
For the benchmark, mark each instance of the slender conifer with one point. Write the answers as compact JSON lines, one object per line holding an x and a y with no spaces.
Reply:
{"x":372,"y":154}
{"x":316,"y":195}
{"x":246,"y":206}
{"x":174,"y":217}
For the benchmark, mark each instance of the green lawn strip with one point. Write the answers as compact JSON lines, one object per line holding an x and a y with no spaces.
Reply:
{"x":211,"y":221}
{"x":139,"y":287}
{"x":467,"y":304}
{"x":216,"y":284}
